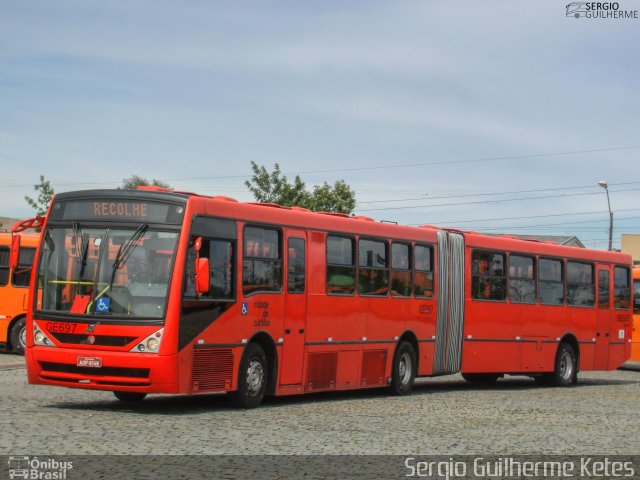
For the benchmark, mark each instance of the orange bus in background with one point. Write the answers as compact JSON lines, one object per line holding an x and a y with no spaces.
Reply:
{"x":635,"y":340}
{"x":156,"y":291}
{"x":14,"y":290}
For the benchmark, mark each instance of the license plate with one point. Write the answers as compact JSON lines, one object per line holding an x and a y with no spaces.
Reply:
{"x":93,"y":362}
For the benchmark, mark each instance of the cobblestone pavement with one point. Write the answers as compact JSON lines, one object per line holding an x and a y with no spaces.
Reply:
{"x":443,"y":416}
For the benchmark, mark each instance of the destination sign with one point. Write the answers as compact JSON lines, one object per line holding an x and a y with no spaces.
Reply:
{"x":118,"y":210}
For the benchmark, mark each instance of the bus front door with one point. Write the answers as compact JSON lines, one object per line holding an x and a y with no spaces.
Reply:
{"x":295,"y":309}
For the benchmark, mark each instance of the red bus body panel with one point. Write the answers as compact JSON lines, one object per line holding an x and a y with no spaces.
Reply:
{"x":326,"y":342}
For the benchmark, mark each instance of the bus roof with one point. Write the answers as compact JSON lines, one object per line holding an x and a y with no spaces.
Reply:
{"x":296,"y":217}
{"x":26,"y":239}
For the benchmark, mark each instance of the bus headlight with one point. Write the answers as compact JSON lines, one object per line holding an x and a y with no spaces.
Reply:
{"x":151,"y":344}
{"x":40,"y":338}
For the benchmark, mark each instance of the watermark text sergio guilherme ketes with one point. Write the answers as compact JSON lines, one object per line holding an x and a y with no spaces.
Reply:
{"x":508,"y":467}
{"x":599,"y":10}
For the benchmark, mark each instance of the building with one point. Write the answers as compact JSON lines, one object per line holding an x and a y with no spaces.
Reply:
{"x":6,"y":223}
{"x":631,"y":245}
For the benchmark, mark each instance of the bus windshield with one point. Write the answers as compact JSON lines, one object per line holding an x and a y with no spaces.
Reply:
{"x":105,"y":272}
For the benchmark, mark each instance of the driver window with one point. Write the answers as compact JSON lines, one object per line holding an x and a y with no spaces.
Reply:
{"x":221,"y":260}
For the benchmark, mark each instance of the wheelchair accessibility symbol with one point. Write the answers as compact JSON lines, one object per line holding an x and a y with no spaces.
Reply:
{"x":245,"y":308}
{"x":103,"y":304}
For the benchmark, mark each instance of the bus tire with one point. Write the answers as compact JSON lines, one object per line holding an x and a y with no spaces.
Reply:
{"x":480,"y":377}
{"x":565,"y":372}
{"x":18,"y":336}
{"x":404,"y":369}
{"x":252,"y":378}
{"x":130,"y":396}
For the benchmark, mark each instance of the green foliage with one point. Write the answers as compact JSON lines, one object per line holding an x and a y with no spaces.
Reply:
{"x":45,"y":194}
{"x":136,"y":181}
{"x":274,"y":187}
{"x":337,"y":198}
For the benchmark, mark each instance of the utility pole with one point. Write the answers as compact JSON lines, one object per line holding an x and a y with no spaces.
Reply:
{"x":605,"y":185}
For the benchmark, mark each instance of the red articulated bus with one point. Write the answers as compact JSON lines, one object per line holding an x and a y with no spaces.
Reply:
{"x":154,"y":291}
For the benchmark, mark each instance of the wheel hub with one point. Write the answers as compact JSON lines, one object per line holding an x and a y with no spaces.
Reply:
{"x":255,"y":377}
{"x":404,"y":368}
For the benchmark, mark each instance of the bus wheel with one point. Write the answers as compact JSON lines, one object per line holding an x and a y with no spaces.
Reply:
{"x":566,"y":367}
{"x":130,"y":396}
{"x":480,"y":377}
{"x":404,"y":369}
{"x":19,"y":336}
{"x":252,"y":378}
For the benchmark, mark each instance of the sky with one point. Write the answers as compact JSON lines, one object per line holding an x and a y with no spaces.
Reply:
{"x":497,"y":116}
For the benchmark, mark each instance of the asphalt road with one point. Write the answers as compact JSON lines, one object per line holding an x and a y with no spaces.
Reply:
{"x":443,"y":416}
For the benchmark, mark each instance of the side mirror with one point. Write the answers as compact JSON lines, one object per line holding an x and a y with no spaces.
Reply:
{"x":15,"y":251}
{"x":202,"y":276}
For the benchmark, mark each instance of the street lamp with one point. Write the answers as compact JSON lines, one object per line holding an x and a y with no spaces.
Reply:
{"x":605,"y":185}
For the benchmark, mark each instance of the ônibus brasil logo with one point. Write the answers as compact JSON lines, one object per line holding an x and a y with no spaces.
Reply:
{"x":599,"y":10}
{"x":34,"y":468}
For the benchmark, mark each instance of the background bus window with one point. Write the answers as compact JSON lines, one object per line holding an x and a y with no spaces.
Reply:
{"x":261,"y":265}
{"x":621,"y":288}
{"x":580,"y":284}
{"x":604,"y":289}
{"x":400,"y":270}
{"x":636,"y":296}
{"x":22,"y":274}
{"x":550,"y":282}
{"x":373,"y":276}
{"x":522,"y":283}
{"x":488,"y":276}
{"x":423,"y":274}
{"x":341,"y":269}
{"x":4,"y":266}
{"x":296,"y":266}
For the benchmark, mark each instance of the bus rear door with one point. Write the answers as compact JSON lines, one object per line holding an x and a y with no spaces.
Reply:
{"x":603,"y":319}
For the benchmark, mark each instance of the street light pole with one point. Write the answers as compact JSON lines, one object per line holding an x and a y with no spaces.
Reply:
{"x":605,"y":185}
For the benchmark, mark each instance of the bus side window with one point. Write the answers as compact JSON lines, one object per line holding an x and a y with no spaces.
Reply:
{"x":580,"y":284}
{"x":262,"y":262}
{"x":22,"y":274}
{"x":621,"y":288}
{"x":296,"y":266}
{"x":550,"y":282}
{"x":522,"y":283}
{"x":373,"y":275}
{"x":341,"y":267}
{"x":4,"y":266}
{"x":400,"y":270}
{"x":488,"y":276}
{"x":423,"y":271}
{"x":603,"y":289}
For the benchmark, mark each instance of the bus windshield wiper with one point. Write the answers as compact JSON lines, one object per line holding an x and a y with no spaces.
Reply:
{"x":81,"y":249}
{"x":125,"y":251}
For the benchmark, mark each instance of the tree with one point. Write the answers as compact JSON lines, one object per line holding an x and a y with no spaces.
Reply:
{"x":339,"y":198}
{"x":274,"y":187}
{"x":136,"y":181}
{"x":45,"y":194}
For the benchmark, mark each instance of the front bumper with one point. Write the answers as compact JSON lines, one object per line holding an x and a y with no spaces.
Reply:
{"x":123,"y":371}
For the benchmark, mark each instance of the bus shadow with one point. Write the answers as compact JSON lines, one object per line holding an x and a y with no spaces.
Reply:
{"x":205,"y":403}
